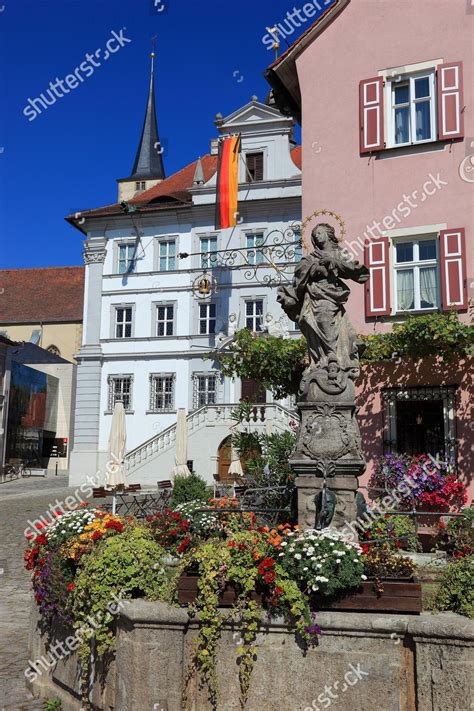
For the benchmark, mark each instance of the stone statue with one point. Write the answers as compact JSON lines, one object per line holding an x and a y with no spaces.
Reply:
{"x":274,"y":327}
{"x":328,"y":447}
{"x":316,"y":302}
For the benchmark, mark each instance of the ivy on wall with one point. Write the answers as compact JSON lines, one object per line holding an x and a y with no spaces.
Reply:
{"x":278,"y":363}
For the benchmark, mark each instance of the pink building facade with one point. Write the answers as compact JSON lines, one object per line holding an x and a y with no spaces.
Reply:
{"x":384,"y":92}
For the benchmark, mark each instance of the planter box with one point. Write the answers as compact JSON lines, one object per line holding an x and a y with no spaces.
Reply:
{"x":187,"y":592}
{"x":397,"y":596}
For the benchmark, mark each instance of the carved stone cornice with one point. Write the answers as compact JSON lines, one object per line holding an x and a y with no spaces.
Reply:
{"x":94,"y":252}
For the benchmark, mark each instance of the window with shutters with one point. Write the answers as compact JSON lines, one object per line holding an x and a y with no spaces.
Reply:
{"x":123,"y":321}
{"x":120,"y":390}
{"x":411,"y":105}
{"x":162,"y":388}
{"x":412,"y":109}
{"x":416,"y":275}
{"x":254,"y":167}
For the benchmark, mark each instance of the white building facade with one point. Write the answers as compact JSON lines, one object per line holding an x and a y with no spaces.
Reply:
{"x":148,"y":332}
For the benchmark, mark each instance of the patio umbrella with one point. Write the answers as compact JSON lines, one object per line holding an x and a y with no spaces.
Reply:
{"x":181,"y":456}
{"x":235,"y":465}
{"x":117,"y":440}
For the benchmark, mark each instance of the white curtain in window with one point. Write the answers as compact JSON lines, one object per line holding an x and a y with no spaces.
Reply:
{"x":405,"y":289}
{"x":428,"y":287}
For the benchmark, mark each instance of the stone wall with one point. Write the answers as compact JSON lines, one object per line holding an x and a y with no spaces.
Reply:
{"x":363,"y":661}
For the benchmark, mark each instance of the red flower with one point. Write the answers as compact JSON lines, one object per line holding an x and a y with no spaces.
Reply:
{"x":442,"y":525}
{"x":41,"y":540}
{"x":269,"y":577}
{"x":231,"y":544}
{"x":242,"y":546}
{"x":29,"y":536}
{"x":70,"y":587}
{"x":173,"y":532}
{"x":365,"y":547}
{"x":116,"y":525}
{"x":278,"y":590}
{"x":149,"y":518}
{"x":39,"y":526}
{"x":184,"y":544}
{"x":97,"y":535}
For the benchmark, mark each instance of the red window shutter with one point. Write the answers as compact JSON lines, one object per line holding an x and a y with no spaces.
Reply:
{"x":450,"y":101}
{"x":371,"y":115}
{"x":453,"y":269}
{"x":377,"y":288}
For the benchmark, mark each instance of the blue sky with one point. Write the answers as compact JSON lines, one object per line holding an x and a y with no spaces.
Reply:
{"x":210,"y":58}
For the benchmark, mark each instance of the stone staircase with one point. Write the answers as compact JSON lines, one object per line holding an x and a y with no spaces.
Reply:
{"x":208,"y":426}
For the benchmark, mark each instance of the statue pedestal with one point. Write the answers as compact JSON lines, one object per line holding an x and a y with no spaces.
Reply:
{"x":327,"y":451}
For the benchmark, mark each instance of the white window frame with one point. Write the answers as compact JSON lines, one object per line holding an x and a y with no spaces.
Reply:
{"x":205,"y":377}
{"x":254,"y":316}
{"x":129,"y":245}
{"x":124,"y":323}
{"x":391,"y":82}
{"x":208,"y":249}
{"x":159,"y":383}
{"x":416,"y":264}
{"x":167,"y":256}
{"x":207,"y":319}
{"x":166,"y":321}
{"x":255,"y":256}
{"x":111,"y":396}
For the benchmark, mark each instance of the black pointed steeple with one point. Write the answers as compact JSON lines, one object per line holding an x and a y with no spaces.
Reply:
{"x":149,"y":159}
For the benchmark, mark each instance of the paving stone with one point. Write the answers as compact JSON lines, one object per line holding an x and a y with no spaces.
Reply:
{"x":20,"y":500}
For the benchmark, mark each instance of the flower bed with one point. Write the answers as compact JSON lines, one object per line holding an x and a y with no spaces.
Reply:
{"x":86,"y":558}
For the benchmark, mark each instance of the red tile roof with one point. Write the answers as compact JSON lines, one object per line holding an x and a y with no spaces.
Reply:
{"x":173,"y":192}
{"x":45,"y":294}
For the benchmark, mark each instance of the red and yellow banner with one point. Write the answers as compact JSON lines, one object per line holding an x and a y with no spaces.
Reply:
{"x":227,"y":182}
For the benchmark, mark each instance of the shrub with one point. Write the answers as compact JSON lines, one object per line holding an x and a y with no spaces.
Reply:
{"x":380,"y":561}
{"x":125,"y":567}
{"x":455,"y":591}
{"x":400,"y":530}
{"x":189,"y":488}
{"x":456,"y":535}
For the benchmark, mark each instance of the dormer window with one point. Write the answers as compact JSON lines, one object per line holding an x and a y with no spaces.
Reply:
{"x":254,"y":167}
{"x":140,"y":185}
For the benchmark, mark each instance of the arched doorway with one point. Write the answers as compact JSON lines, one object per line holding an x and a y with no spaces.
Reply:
{"x":224,"y":458}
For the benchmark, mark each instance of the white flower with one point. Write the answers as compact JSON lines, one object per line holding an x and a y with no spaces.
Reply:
{"x":305,"y":568}
{"x":298,"y":556}
{"x":363,"y":577}
{"x":315,"y":587}
{"x":284,"y":543}
{"x":338,"y":560}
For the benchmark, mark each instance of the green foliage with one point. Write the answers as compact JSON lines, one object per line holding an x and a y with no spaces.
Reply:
{"x":277,"y":363}
{"x":455,"y":591}
{"x":456,"y":535}
{"x":52,"y":705}
{"x":124,"y":567}
{"x":436,"y":334}
{"x":266,"y":455}
{"x":243,"y":561}
{"x":189,"y":488}
{"x":400,"y":529}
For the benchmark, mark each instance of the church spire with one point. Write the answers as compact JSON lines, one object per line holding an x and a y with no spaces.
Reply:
{"x":148,"y":163}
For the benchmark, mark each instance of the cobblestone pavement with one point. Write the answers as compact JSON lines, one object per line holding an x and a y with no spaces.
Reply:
{"x":20,"y":500}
